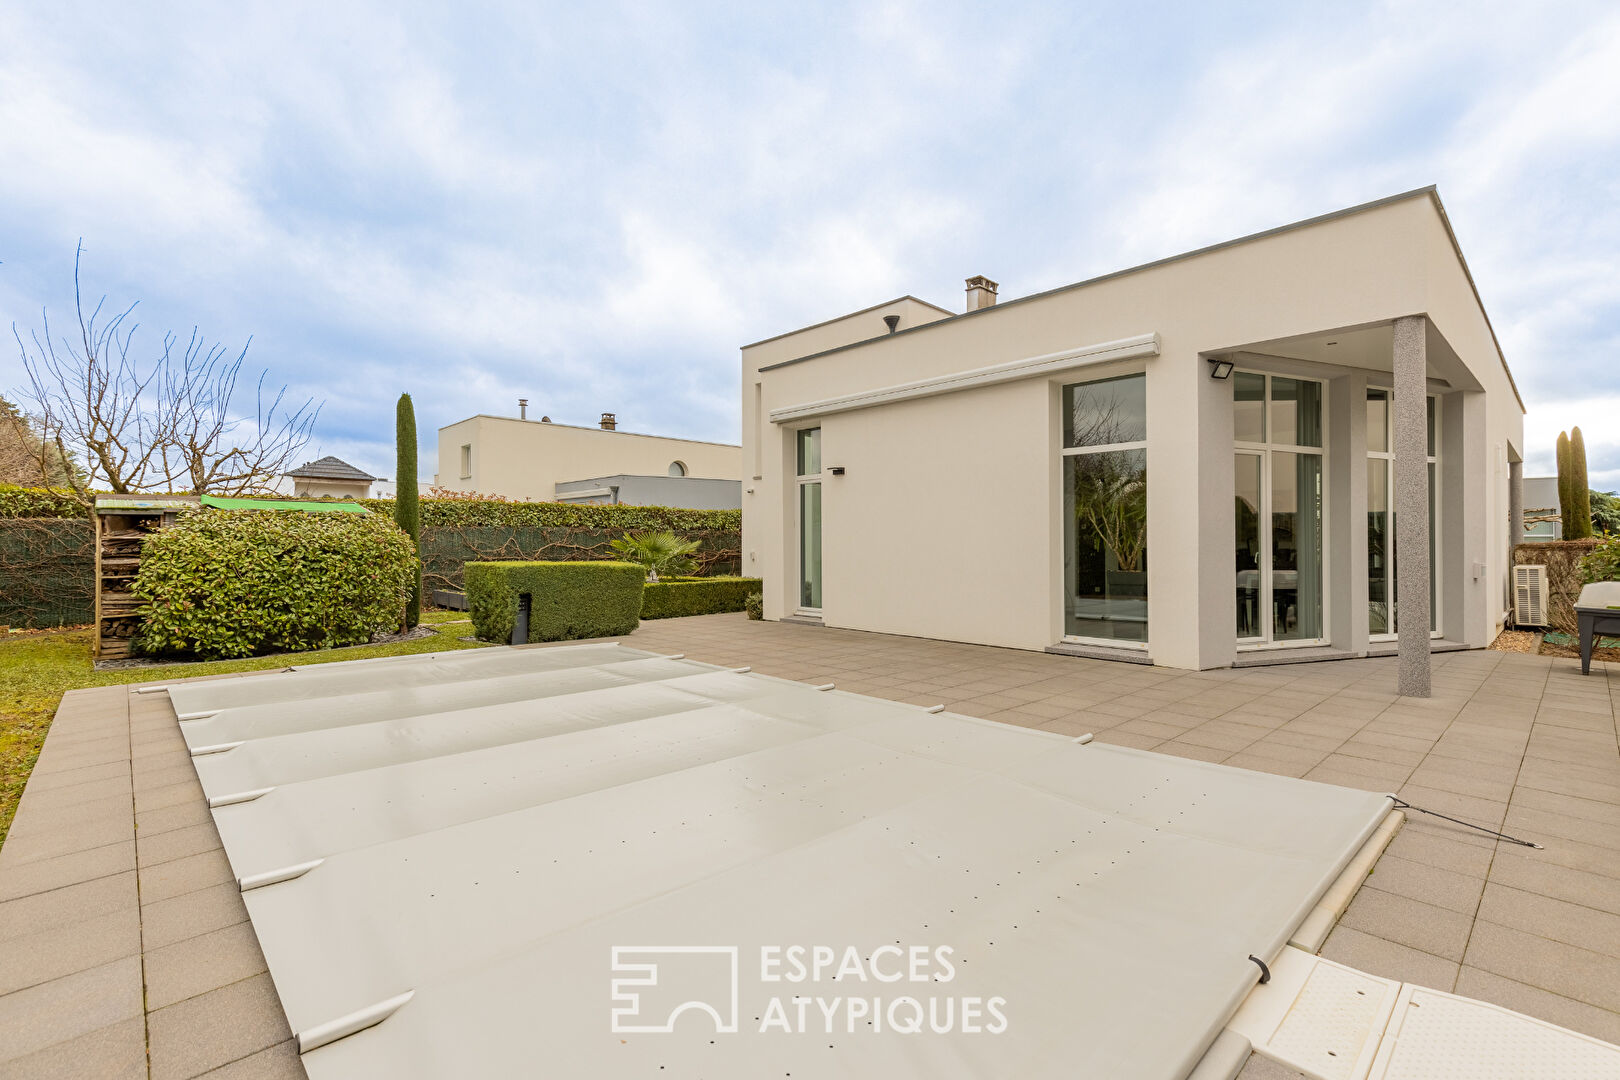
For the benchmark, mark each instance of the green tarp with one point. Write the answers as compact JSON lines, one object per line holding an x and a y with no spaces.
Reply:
{"x":219,"y":503}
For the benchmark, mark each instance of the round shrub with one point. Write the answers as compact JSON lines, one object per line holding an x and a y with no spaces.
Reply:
{"x":227,"y":583}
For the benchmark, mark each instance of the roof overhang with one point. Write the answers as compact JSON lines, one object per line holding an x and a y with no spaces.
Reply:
{"x":1139,"y":347}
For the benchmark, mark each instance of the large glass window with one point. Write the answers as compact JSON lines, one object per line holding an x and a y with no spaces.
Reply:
{"x":1105,"y":509}
{"x":1247,"y":471}
{"x":1296,"y":546}
{"x":1277,"y":423}
{"x":809,"y":466}
{"x":1382,"y":612}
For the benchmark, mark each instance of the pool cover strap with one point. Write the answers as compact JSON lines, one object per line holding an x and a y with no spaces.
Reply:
{"x":1402,"y":804}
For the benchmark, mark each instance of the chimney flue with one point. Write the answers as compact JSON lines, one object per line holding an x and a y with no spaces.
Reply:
{"x":523,"y":408}
{"x":609,"y":422}
{"x":981,"y":292}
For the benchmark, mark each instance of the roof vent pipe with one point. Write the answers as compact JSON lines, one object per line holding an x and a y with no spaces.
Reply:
{"x":893,"y":321}
{"x":609,"y":422}
{"x":981,"y":292}
{"x":523,"y":408}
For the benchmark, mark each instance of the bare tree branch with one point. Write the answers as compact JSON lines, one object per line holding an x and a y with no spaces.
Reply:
{"x":163,"y":426}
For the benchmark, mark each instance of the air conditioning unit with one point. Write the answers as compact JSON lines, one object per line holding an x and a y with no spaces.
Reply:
{"x":1530,"y":596}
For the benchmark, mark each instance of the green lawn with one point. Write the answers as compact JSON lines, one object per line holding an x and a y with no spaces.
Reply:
{"x":36,"y":669}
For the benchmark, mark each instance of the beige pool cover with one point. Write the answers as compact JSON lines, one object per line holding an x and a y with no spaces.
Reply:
{"x":464,"y":845}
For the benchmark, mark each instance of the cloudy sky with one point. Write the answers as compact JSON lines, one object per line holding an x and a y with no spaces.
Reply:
{"x":594,"y":205}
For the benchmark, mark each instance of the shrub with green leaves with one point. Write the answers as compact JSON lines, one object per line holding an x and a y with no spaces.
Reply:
{"x":695,"y":596}
{"x":229,"y":583}
{"x":755,"y":605}
{"x":567,"y":600}
{"x":1602,"y":563}
{"x":23,"y":502}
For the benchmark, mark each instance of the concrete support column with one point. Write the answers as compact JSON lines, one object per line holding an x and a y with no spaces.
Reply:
{"x":1411,"y":499}
{"x":1191,"y":598}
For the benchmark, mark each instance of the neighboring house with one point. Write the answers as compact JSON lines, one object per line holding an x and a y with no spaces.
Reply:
{"x":1193,"y":462}
{"x":387,"y":489}
{"x":527,"y":459}
{"x":690,"y":492}
{"x":330,"y":478}
{"x":1541,"y":501}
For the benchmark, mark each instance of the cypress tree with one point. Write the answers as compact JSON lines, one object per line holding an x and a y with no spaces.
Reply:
{"x":1580,"y":493}
{"x":407,"y":506}
{"x":1564,"y":515}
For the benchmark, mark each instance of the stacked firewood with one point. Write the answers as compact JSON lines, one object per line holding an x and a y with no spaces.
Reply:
{"x":120,"y":562}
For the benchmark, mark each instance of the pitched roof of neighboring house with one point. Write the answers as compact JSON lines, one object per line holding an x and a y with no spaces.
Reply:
{"x":329,"y":468}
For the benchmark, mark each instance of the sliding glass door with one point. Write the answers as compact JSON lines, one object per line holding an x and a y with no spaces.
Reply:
{"x":809,"y":468}
{"x":1277,"y":494}
{"x":1383,"y":615}
{"x":1105,"y":510}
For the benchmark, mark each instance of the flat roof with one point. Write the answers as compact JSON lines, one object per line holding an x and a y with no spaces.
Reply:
{"x":850,"y":315}
{"x":472,"y":863}
{"x":660,"y":477}
{"x":1431,"y":191}
{"x":588,"y":427}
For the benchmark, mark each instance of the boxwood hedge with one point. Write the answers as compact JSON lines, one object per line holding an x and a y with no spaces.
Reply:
{"x":551,"y":515}
{"x":695,"y":596}
{"x":567,"y":599}
{"x":228,"y":583}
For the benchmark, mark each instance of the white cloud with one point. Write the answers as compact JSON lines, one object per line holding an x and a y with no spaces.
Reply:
{"x":593,"y":209}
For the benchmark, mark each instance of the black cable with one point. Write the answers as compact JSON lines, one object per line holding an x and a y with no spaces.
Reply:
{"x":1265,"y":972}
{"x":1401,"y":804}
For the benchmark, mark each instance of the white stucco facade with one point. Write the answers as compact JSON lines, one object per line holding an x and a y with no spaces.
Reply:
{"x":527,"y":459}
{"x":948,"y":518}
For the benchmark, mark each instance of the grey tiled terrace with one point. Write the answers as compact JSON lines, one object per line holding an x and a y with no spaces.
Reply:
{"x":125,"y":949}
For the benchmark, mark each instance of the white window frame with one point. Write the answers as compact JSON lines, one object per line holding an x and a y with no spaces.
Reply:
{"x":1264,"y":450}
{"x":1078,"y":451}
{"x":1435,"y":564}
{"x":800,"y":482}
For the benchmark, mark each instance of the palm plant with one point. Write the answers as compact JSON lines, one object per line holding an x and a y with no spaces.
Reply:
{"x":658,"y":552}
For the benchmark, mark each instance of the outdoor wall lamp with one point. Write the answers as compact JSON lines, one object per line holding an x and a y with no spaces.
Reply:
{"x":1219,"y":367}
{"x":837,"y":470}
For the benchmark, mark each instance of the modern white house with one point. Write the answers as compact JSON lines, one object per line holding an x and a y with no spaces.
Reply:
{"x":688,"y":492}
{"x":541,"y":461}
{"x":1208,"y":460}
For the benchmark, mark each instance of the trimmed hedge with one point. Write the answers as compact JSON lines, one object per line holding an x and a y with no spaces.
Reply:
{"x":21,"y":502}
{"x":695,"y":596}
{"x":445,"y":548}
{"x":567,"y":599}
{"x":228,"y":583}
{"x":551,"y":515}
